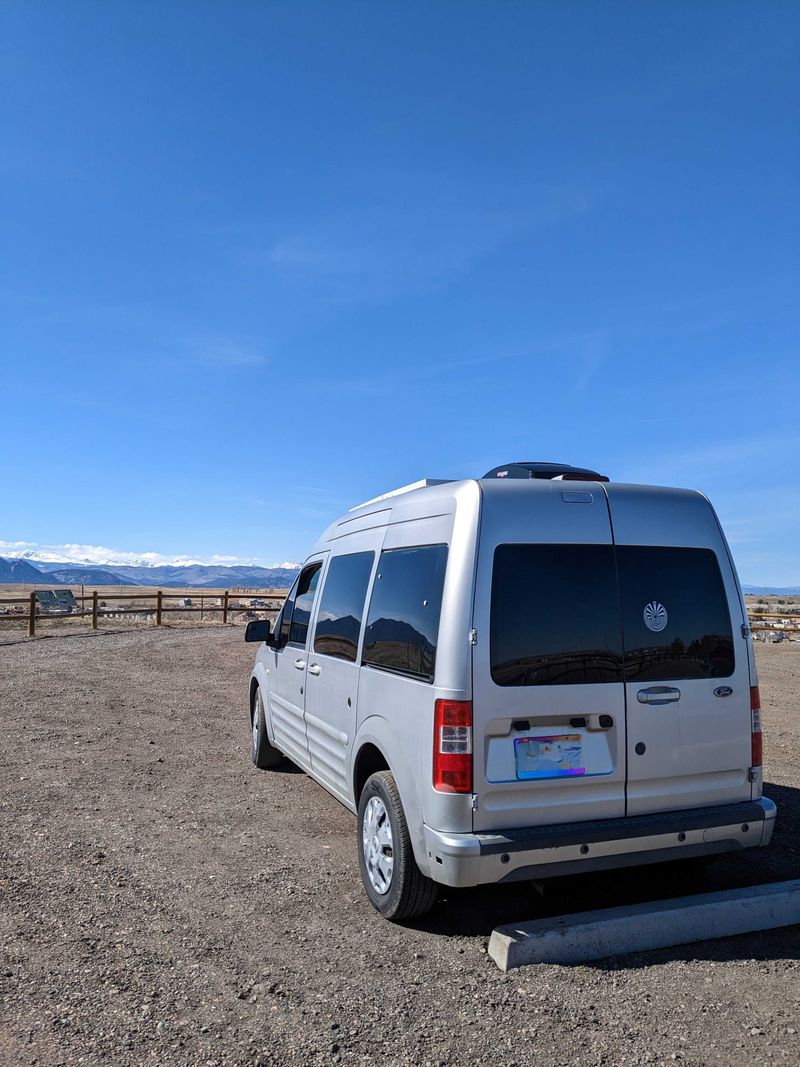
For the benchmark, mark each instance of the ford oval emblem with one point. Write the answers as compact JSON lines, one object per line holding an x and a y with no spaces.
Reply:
{"x":723,"y":691}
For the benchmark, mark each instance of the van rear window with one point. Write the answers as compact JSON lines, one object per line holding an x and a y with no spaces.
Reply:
{"x":674,"y":614}
{"x":570,"y":614}
{"x":555,"y":615}
{"x":403,"y":619}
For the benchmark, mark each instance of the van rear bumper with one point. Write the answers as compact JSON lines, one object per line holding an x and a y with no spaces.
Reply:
{"x":546,"y":851}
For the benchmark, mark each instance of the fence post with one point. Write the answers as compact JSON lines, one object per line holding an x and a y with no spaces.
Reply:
{"x":201,"y":608}
{"x":32,"y":616}
{"x":159,"y":598}
{"x":94,"y":610}
{"x":225,"y":607}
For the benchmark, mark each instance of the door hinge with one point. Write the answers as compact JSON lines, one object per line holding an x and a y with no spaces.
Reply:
{"x":473,"y":637}
{"x":474,"y":801}
{"x":745,"y":630}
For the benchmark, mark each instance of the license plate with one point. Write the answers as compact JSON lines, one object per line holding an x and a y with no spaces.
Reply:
{"x":553,"y":756}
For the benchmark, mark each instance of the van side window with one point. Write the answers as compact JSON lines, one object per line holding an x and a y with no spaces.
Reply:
{"x":674,"y":614}
{"x":403,"y":619}
{"x":303,"y":603}
{"x":555,"y":615}
{"x":342,"y":606}
{"x":284,"y":620}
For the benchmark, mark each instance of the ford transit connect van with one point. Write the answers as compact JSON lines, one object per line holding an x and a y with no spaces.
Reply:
{"x":535,"y":673}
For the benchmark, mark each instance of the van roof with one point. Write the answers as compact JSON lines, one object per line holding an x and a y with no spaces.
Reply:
{"x":419,"y":498}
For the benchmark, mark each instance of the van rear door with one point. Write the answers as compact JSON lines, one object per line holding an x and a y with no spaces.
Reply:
{"x":547,"y":690}
{"x":686,"y":669}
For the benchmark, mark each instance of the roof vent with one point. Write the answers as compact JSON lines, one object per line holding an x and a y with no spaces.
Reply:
{"x":551,"y":471}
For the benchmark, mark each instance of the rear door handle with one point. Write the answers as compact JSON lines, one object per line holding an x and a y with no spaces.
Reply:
{"x":314,"y":668}
{"x":300,"y":664}
{"x":658,"y":694}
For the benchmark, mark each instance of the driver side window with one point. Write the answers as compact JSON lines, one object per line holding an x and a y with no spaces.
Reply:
{"x":284,"y":620}
{"x":297,"y":609}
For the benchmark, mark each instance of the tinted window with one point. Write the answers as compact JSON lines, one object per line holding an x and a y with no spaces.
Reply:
{"x":555,"y":615}
{"x":342,"y":606}
{"x":303,"y":603}
{"x":284,"y":621}
{"x":403,"y":621}
{"x":675,"y":614}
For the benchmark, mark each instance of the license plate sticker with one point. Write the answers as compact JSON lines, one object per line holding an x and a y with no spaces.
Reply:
{"x":554,"y":756}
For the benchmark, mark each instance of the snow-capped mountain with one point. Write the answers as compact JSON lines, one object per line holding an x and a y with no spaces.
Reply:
{"x":50,"y":573}
{"x":101,"y":556}
{"x":97,"y":565}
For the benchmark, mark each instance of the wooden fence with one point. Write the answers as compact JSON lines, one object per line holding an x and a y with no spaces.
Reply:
{"x":230,"y":603}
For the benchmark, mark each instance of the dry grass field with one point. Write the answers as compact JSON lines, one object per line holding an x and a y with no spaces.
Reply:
{"x":164,"y":902}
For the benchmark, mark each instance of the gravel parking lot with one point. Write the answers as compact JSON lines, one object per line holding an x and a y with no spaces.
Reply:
{"x":163,"y":902}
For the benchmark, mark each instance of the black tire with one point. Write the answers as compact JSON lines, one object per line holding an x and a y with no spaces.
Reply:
{"x":410,"y":894}
{"x":265,"y":755}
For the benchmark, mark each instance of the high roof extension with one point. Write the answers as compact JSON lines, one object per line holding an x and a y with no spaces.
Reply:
{"x":534,"y":469}
{"x":548,"y":471}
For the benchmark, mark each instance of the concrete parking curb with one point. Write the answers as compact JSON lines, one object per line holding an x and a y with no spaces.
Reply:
{"x":592,"y":935}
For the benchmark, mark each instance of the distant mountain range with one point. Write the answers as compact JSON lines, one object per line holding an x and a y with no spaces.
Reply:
{"x":197,"y":576}
{"x":772,"y":590}
{"x":18,"y":571}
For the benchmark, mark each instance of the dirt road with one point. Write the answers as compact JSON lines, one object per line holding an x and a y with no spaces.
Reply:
{"x":163,"y":902}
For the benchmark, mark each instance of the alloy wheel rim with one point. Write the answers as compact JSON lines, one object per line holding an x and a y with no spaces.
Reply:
{"x":376,"y":841}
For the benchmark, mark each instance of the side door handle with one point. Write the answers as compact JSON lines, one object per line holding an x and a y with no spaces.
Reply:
{"x":314,"y":668}
{"x":658,"y":694}
{"x":300,"y":664}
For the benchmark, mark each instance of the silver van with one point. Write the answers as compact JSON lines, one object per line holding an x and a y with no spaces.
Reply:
{"x":535,"y":673}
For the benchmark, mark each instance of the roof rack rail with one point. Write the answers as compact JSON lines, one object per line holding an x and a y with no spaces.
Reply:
{"x":550,"y":471}
{"x":423,"y":483}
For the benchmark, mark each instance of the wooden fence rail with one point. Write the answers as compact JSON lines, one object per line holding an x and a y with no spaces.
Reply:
{"x":96,"y":610}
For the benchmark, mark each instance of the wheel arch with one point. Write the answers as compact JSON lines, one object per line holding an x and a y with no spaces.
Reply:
{"x":258,"y":680}
{"x":375,"y":739}
{"x":368,"y":761}
{"x":253,"y":688}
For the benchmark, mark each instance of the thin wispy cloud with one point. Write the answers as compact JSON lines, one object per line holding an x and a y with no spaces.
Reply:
{"x":225,"y":353}
{"x":580,"y":357}
{"x":727,"y":457}
{"x":389,"y":234}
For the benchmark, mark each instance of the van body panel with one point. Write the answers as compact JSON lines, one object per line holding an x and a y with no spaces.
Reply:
{"x":378,"y":731}
{"x":370,"y":521}
{"x":332,"y":684}
{"x":756,"y":784}
{"x":285,"y":696}
{"x":533,"y":513}
{"x":697,"y":747}
{"x":406,"y":705}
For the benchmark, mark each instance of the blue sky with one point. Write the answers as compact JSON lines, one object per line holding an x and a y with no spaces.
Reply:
{"x":262,"y":261}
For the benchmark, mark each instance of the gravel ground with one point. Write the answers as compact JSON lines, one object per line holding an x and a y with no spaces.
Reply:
{"x":163,"y":902}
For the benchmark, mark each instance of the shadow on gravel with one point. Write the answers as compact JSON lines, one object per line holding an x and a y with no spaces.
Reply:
{"x":475,"y":912}
{"x":761,"y":946}
{"x":286,"y":767}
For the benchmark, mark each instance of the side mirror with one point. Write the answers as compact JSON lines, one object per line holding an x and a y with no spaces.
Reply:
{"x":257,"y":630}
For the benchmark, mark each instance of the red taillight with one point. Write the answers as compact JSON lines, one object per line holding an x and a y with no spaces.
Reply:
{"x":452,"y":746}
{"x":755,"y":727}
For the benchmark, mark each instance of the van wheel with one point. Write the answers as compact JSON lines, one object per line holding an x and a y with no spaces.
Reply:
{"x":264,"y":754}
{"x":393,"y":882}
